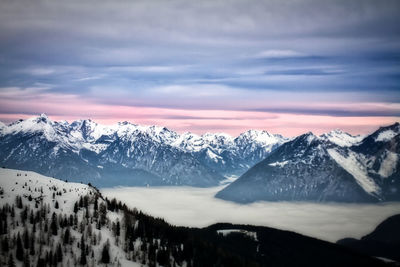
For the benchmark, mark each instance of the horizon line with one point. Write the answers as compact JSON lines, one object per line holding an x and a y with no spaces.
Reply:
{"x":70,"y":121}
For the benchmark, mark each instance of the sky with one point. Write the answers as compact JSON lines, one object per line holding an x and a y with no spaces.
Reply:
{"x":288,"y":67}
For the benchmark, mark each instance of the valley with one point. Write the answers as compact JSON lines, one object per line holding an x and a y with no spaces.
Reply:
{"x":197,"y":207}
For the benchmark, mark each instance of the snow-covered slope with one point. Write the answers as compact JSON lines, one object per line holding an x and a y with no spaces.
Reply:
{"x":357,"y":169}
{"x":139,"y":155}
{"x":42,"y":199}
{"x":341,"y":138}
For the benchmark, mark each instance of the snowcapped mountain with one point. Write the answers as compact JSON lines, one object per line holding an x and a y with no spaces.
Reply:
{"x":330,"y":167}
{"x":129,"y":154}
{"x":341,"y":138}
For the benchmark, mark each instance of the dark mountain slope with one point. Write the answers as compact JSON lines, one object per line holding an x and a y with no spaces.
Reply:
{"x":301,"y":169}
{"x":384,"y":241}
{"x":331,"y":167}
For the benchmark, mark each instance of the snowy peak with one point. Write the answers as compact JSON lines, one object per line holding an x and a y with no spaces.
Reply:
{"x":41,"y":124}
{"x":189,"y":142}
{"x":159,"y":153}
{"x":218,"y":141}
{"x":335,"y":166}
{"x":306,"y":138}
{"x":42,"y":118}
{"x":385,"y":134}
{"x":2,"y":126}
{"x":161,"y":134}
{"x":341,"y":138}
{"x":85,"y":129}
{"x":164,"y":157}
{"x":86,"y":132}
{"x":261,"y":137}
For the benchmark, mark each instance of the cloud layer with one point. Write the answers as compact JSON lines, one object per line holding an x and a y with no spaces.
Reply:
{"x":327,"y":221}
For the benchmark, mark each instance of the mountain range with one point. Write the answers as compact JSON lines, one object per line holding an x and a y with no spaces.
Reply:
{"x":335,"y":166}
{"x":129,"y":154}
{"x":330,"y":167}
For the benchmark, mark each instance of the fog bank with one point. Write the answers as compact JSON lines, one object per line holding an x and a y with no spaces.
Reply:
{"x":187,"y":206}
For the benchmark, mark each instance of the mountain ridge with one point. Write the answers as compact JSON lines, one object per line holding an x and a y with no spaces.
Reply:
{"x":140,"y":155}
{"x":312,"y":168}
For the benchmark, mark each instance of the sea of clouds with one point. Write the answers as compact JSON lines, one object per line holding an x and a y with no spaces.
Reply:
{"x":197,"y":207}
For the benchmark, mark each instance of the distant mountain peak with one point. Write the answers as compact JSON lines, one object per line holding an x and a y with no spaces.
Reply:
{"x":384,"y":134}
{"x":43,"y":115}
{"x":42,"y":118}
{"x":124,"y":123}
{"x":162,"y":153}
{"x":341,"y":138}
{"x":308,"y":137}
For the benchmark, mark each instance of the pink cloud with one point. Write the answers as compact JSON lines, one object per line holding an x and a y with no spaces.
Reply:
{"x":71,"y":107}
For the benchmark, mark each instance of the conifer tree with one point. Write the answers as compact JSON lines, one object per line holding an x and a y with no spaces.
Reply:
{"x":67,"y":236}
{"x":20,"y":251}
{"x":27,"y":261}
{"x":75,"y":207}
{"x":59,"y":253}
{"x":26,"y":238}
{"x":53,"y":225}
{"x":5,"y":245}
{"x":96,"y":205}
{"x":83,"y":253}
{"x":32,"y":245}
{"x":118,"y":229}
{"x":81,"y":202}
{"x":11,"y":262}
{"x":105,"y":255}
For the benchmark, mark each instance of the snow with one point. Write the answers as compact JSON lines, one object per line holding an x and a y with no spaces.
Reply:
{"x":386,"y":260}
{"x":386,"y":135}
{"x":357,"y":169}
{"x":279,"y":164}
{"x":226,"y":232}
{"x":97,"y":148}
{"x":213,"y":156}
{"x":310,"y":137}
{"x":23,"y":183}
{"x":11,"y":183}
{"x":84,"y":134}
{"x":229,"y":179}
{"x":389,"y":164}
{"x":262,"y":137}
{"x":2,"y":126}
{"x":189,"y":142}
{"x":197,"y":207}
{"x":342,"y":139}
{"x":37,"y":124}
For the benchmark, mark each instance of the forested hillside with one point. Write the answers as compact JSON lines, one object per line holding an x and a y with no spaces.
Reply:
{"x":49,"y":222}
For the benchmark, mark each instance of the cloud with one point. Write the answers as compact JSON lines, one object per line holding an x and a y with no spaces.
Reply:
{"x":329,"y":222}
{"x":278,"y":54}
{"x":207,"y":55}
{"x":38,"y":71}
